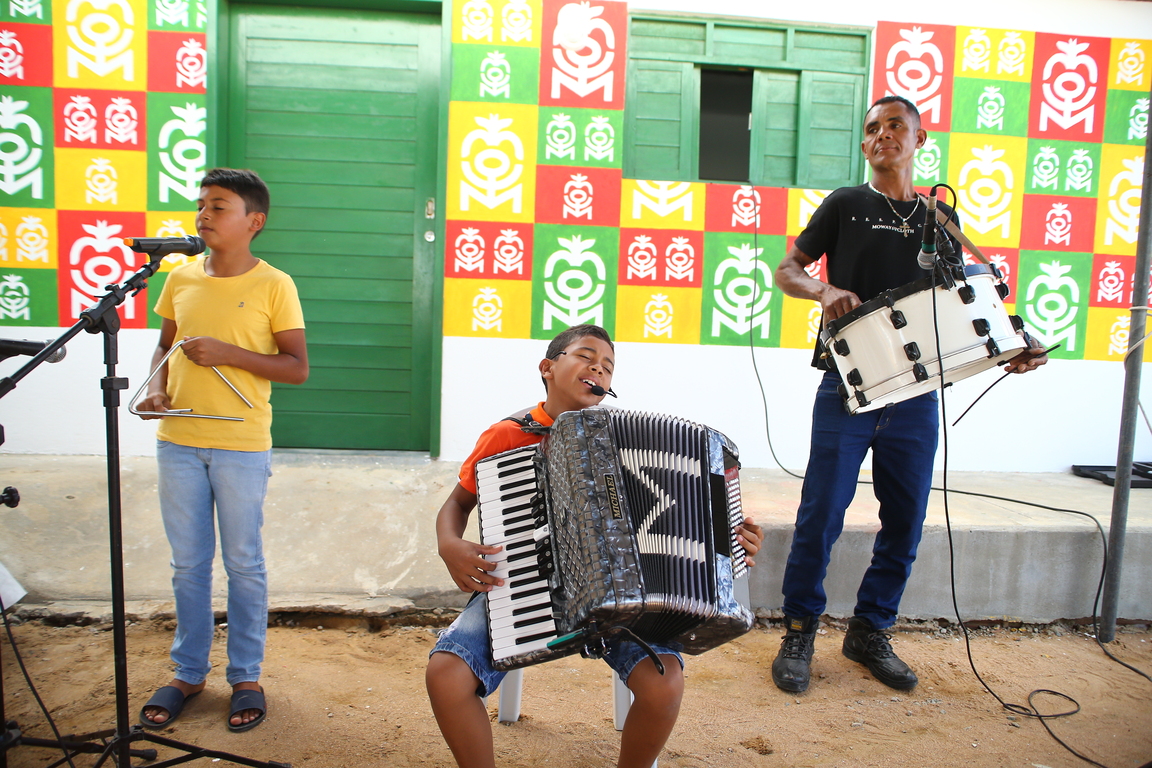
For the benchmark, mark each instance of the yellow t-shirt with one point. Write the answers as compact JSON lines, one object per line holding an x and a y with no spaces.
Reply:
{"x":245,"y":310}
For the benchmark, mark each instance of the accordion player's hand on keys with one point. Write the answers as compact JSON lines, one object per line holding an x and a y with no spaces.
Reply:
{"x":617,"y":521}
{"x":470,"y":564}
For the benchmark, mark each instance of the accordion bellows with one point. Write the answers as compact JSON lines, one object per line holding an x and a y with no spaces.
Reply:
{"x":632,"y":526}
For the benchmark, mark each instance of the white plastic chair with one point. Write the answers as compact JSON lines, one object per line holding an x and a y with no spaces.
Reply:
{"x":512,"y":687}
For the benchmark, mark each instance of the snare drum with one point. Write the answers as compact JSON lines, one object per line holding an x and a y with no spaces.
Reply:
{"x":885,"y":349}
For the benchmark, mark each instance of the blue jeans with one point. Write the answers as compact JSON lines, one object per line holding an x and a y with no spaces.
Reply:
{"x":467,"y":637}
{"x":903,"y":440}
{"x":192,"y":481}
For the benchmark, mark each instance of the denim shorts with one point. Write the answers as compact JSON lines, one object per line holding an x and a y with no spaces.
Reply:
{"x":467,"y":637}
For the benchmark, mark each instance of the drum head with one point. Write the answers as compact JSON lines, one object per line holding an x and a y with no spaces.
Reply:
{"x":886,"y":299}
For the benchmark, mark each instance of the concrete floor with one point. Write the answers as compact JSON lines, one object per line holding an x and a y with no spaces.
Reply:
{"x":355,"y":533}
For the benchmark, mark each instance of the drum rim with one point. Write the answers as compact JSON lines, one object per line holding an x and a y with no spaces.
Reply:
{"x":971,"y":270}
{"x":896,"y":294}
{"x":880,"y":301}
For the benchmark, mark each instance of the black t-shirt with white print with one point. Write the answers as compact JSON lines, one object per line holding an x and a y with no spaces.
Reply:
{"x":861,"y":236}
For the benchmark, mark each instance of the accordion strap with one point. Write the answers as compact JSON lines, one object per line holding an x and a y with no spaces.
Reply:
{"x":643,"y":644}
{"x":529,"y":425}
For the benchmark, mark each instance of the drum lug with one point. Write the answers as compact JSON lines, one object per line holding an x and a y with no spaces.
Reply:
{"x":993,"y":348}
{"x":862,"y":399}
{"x":1002,"y":289}
{"x":898,"y":319}
{"x":920,"y":372}
{"x":982,"y":326}
{"x":912,"y":350}
{"x":841,"y":347}
{"x":842,"y":391}
{"x":967,"y":294}
{"x":1017,"y":322}
{"x":854,"y":377}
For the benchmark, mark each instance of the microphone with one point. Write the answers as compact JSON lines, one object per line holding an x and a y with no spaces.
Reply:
{"x":927,"y":257}
{"x":11,"y":347}
{"x":599,"y":391}
{"x":162,"y":246}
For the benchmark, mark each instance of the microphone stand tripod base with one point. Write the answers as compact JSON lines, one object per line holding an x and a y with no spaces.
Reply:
{"x":73,"y":745}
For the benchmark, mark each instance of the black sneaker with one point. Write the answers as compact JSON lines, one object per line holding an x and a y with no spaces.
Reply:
{"x":870,"y":647}
{"x":790,"y":669}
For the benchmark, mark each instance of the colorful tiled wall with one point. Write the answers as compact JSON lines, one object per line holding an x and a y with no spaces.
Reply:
{"x":102,"y":136}
{"x":103,"y":129}
{"x":1041,"y":135}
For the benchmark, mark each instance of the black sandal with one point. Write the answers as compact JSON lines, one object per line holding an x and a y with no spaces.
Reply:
{"x":169,"y":698}
{"x":247,"y":699}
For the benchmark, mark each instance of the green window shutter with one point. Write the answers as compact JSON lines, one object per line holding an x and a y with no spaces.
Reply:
{"x":806,"y":129}
{"x":660,"y":120}
{"x":831,"y":110}
{"x":775,"y":109}
{"x":807,"y":97}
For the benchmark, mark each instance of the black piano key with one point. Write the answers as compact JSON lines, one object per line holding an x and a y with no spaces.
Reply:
{"x":515,"y":521}
{"x":532,"y":621}
{"x":519,"y":530}
{"x":516,"y":509}
{"x":534,"y":638}
{"x":516,"y":584}
{"x":530,"y":593}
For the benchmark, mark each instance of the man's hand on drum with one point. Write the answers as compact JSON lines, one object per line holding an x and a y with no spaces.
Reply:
{"x":750,"y":536}
{"x":836,"y":302}
{"x":1028,"y":360}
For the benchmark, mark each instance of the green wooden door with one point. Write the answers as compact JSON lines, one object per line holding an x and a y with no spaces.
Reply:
{"x":337,"y":111}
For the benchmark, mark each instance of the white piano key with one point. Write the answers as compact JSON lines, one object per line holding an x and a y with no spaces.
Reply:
{"x":503,"y":626}
{"x":502,"y":596}
{"x":504,"y":569}
{"x":508,"y":649}
{"x":503,"y":614}
{"x":523,"y":483}
{"x":490,"y":470}
{"x":504,"y":529}
{"x":502,"y":636}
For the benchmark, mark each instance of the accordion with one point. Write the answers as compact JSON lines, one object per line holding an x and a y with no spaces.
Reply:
{"x":617,"y":520}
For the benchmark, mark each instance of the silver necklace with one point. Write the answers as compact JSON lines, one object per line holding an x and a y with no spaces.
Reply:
{"x":903,"y":229}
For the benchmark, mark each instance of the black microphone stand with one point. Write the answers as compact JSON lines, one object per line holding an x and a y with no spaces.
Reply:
{"x":103,"y":318}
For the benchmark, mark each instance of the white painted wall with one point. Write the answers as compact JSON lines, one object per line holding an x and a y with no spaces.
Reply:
{"x":1068,"y":412}
{"x":58,"y":408}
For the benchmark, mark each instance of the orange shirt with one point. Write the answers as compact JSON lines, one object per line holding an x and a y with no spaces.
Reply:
{"x":502,"y":436}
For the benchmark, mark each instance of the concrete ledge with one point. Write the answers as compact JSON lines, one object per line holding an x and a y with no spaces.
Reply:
{"x":1031,"y":576}
{"x":84,"y":612}
{"x":354,"y":535}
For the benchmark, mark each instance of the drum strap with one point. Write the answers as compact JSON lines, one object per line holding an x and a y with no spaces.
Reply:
{"x":950,"y":225}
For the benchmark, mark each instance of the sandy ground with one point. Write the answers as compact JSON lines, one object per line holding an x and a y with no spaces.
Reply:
{"x":342,"y":696}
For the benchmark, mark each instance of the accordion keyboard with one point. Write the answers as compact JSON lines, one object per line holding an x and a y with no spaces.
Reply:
{"x":520,"y":611}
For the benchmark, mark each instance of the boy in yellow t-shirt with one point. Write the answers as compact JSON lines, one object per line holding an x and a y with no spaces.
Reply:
{"x":241,"y":315}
